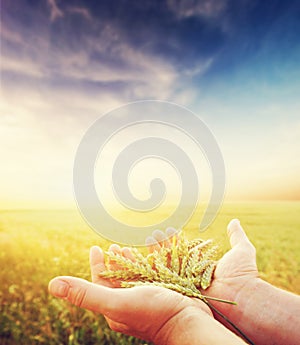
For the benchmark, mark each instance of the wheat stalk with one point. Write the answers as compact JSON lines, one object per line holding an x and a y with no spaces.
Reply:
{"x":185,"y":267}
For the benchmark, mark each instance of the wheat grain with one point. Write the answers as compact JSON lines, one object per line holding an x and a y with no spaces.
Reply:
{"x":207,"y":276}
{"x":185,"y":266}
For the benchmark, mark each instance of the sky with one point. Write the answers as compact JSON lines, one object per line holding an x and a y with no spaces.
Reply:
{"x":236,"y":64}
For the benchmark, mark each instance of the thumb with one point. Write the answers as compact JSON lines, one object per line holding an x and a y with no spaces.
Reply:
{"x":237,"y":235}
{"x":83,"y":293}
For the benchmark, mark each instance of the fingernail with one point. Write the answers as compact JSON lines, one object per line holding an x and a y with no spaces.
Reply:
{"x":150,"y":241}
{"x":59,"y":288}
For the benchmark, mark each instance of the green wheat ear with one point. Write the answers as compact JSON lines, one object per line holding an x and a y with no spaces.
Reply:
{"x":185,"y":267}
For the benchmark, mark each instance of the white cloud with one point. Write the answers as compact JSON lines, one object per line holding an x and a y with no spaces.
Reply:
{"x":143,"y":74}
{"x":191,"y":8}
{"x":199,"y":68}
{"x":106,"y":57}
{"x":55,"y":11}
{"x":21,"y":66}
{"x":82,"y":11}
{"x":9,"y":35}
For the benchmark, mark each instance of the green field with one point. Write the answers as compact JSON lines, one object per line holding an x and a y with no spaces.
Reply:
{"x":35,"y":246}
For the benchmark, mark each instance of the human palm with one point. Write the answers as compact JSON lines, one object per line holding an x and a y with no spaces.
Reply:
{"x":154,"y":313}
{"x":166,"y":317}
{"x":147,"y":312}
{"x":234,"y":271}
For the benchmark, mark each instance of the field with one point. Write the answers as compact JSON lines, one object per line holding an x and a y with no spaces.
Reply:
{"x":37,"y":245}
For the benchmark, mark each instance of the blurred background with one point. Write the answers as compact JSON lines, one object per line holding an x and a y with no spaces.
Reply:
{"x":65,"y":63}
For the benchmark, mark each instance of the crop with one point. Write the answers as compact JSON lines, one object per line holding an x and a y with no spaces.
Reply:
{"x":185,"y":267}
{"x":37,"y":245}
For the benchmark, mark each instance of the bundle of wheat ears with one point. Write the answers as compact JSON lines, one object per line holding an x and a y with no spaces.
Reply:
{"x":185,"y":267}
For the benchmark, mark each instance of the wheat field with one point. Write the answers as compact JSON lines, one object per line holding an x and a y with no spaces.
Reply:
{"x":36,"y":245}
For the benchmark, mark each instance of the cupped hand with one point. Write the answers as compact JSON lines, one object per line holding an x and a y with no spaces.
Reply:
{"x":236,"y":272}
{"x":150,"y":313}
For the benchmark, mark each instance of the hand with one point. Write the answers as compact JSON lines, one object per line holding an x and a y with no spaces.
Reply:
{"x":236,"y":272}
{"x":151,"y":313}
{"x":236,"y":269}
{"x":266,"y":314}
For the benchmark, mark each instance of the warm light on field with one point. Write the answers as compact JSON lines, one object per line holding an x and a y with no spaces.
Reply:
{"x":231,"y":67}
{"x":37,"y":245}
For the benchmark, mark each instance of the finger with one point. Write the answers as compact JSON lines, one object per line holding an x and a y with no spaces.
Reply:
{"x":161,"y":238}
{"x":115,"y":248}
{"x":96,"y":256}
{"x":118,"y":326}
{"x":172,"y":235}
{"x":126,"y":252}
{"x":82,"y":293}
{"x":115,"y":304}
{"x":97,"y":265}
{"x":171,"y":232}
{"x":122,"y":327}
{"x":152,"y":244}
{"x":237,"y":235}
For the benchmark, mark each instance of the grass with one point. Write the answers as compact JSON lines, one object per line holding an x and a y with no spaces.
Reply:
{"x":35,"y":246}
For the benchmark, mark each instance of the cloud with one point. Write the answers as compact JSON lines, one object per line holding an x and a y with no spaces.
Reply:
{"x":9,"y":35}
{"x":102,"y":52}
{"x":102,"y":59}
{"x":70,"y":64}
{"x":21,"y":66}
{"x":55,"y":11}
{"x":199,"y":68}
{"x":194,"y":8}
{"x":82,"y":11}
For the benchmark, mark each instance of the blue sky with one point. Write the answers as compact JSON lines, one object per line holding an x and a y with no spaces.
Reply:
{"x":64,"y":63}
